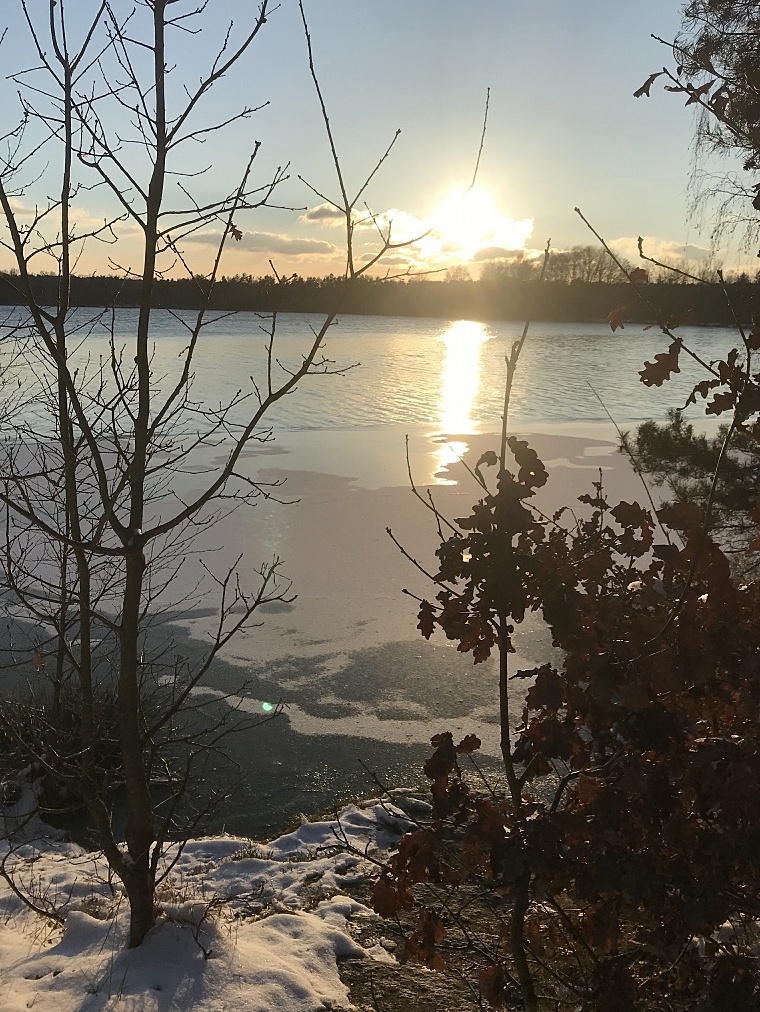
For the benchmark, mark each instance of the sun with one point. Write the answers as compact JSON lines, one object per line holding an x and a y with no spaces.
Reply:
{"x":467,"y":221}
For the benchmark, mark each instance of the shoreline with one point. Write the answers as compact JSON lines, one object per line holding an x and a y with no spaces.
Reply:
{"x":375,"y":456}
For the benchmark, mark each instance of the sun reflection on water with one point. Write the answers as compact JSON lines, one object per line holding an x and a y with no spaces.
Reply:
{"x":460,"y":379}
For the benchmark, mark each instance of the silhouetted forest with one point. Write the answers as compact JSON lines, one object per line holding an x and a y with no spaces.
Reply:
{"x":493,"y":297}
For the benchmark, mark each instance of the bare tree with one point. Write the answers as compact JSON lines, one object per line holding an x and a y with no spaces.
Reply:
{"x":96,"y":526}
{"x":716,"y":69}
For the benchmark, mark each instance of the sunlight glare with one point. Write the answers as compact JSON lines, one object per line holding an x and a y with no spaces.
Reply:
{"x":447,"y":453}
{"x":460,"y":379}
{"x":462,"y":342}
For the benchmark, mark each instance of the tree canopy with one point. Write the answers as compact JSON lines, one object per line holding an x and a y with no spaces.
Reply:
{"x":717,"y":54}
{"x":717,"y":67}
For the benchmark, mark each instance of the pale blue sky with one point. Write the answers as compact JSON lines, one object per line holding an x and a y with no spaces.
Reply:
{"x":564,"y":128}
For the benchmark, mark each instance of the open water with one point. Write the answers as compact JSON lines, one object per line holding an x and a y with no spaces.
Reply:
{"x":449,"y":374}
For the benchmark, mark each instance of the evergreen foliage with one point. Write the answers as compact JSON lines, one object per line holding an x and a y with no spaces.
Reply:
{"x":672,"y":454}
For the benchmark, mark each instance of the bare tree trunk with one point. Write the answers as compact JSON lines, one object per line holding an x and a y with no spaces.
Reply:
{"x":138,"y":874}
{"x":138,"y":881}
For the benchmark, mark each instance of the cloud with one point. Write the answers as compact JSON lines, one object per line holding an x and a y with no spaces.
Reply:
{"x":324,"y":214}
{"x":392,"y":261}
{"x":128,"y":228}
{"x":666,"y":250}
{"x":270,"y":242}
{"x":459,"y":234}
{"x":497,"y":253}
{"x":396,"y":225}
{"x":401,"y":225}
{"x":288,"y":245}
{"x":20,"y":209}
{"x":462,"y":234}
{"x":330,"y":216}
{"x":48,"y":214}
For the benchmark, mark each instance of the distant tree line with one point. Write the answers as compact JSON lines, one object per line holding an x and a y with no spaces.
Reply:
{"x":581,"y":289}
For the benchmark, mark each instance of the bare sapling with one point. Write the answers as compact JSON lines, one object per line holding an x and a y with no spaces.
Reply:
{"x":100,"y":518}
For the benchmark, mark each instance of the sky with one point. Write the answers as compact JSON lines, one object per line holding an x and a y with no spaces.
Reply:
{"x":564,"y":130}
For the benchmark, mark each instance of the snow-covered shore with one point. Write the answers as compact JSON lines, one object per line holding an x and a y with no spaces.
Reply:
{"x":244,"y":926}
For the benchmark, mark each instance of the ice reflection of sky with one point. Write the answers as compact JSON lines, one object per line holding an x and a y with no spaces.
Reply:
{"x":460,"y":380}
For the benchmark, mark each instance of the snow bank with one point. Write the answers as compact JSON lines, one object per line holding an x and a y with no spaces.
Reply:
{"x":244,"y":926}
